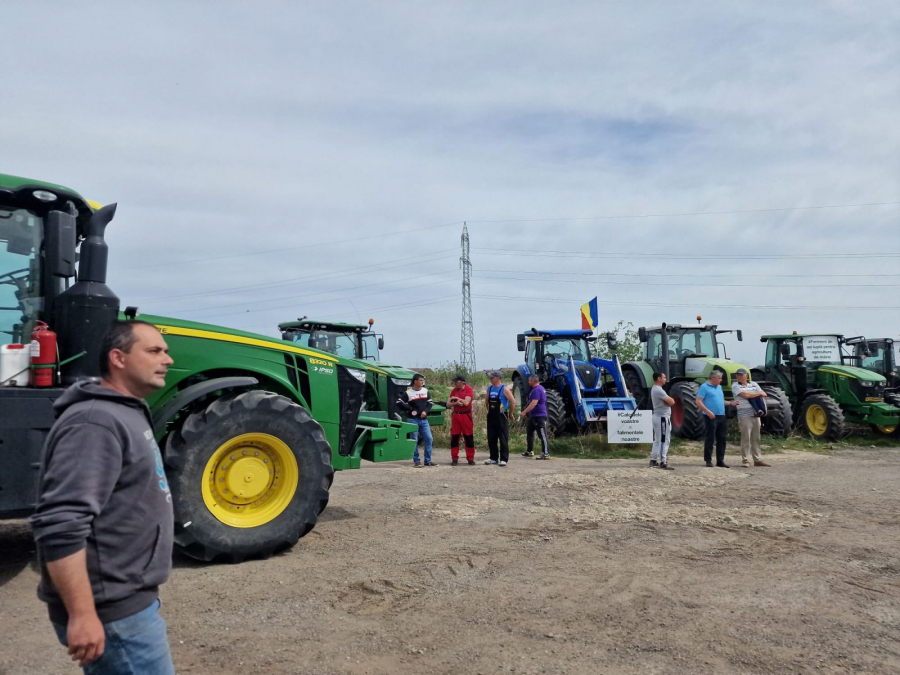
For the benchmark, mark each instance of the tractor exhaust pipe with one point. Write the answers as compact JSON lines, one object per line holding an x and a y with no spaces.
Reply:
{"x":664,"y":346}
{"x":86,"y":311}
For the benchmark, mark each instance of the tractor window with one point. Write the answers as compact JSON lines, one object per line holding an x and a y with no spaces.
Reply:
{"x":875,"y":359}
{"x":563,"y":348}
{"x":340,"y":344}
{"x":771,"y":353}
{"x":691,"y":342}
{"x":20,"y":241}
{"x":370,"y":346}
{"x":652,"y":348}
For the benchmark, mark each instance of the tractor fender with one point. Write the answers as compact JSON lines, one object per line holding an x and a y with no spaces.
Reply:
{"x":809,"y":392}
{"x":522,"y":371}
{"x":643,"y":370}
{"x":190,"y":394}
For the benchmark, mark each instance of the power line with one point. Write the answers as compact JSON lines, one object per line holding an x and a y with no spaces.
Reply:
{"x":693,"y":213}
{"x":333,"y":242}
{"x":695,"y":305}
{"x":699,"y":276}
{"x":324,"y":276}
{"x":699,"y":283}
{"x":679,"y":256}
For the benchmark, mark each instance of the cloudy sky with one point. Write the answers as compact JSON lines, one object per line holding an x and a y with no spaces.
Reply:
{"x":738,"y":160}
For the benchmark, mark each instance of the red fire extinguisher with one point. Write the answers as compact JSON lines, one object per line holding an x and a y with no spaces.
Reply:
{"x":43,"y":355}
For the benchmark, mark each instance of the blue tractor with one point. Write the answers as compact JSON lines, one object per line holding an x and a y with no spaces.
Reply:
{"x":580,"y":387}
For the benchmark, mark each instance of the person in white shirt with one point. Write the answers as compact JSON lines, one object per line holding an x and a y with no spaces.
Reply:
{"x":748,"y":417}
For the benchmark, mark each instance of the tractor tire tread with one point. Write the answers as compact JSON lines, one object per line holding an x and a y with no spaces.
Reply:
{"x":693,"y":426}
{"x":834,"y":430}
{"x":781,"y":423}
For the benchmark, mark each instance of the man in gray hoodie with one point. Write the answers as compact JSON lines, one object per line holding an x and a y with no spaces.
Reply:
{"x":103,"y":522}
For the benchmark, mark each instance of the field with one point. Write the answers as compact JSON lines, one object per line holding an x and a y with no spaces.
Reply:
{"x":571,"y":566}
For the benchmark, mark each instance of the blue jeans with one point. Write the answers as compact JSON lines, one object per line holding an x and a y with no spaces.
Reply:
{"x":135,"y":645}
{"x":425,"y":430}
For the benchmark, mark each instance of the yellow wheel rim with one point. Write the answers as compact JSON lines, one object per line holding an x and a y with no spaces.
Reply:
{"x":885,"y":429}
{"x":816,"y":420}
{"x":250,"y":480}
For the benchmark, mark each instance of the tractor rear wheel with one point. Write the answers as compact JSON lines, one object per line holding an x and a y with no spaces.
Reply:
{"x":780,"y":420}
{"x":687,"y":418}
{"x":822,"y":417}
{"x":556,"y":412}
{"x":640,"y":395}
{"x":249,"y":476}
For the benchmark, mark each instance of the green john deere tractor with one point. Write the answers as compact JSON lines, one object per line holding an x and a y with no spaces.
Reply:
{"x":384,"y":382}
{"x":687,"y":355}
{"x":251,"y":428}
{"x":813,"y":371}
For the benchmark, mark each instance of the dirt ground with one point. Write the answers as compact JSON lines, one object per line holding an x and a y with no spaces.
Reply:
{"x":567,"y":566}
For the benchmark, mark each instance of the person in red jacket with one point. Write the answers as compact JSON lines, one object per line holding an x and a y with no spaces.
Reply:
{"x":461,"y":402}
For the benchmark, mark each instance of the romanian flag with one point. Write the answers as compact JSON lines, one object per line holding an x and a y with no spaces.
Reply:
{"x":589,"y":315}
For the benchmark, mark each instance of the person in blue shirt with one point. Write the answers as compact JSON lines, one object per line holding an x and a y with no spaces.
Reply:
{"x":711,"y":400}
{"x":501,"y":407}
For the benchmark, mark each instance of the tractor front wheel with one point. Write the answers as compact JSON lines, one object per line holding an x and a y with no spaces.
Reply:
{"x":779,"y":420}
{"x":249,"y":476}
{"x":822,"y":417}
{"x":518,"y":392}
{"x":556,"y":412}
{"x":687,"y":418}
{"x":886,"y":430}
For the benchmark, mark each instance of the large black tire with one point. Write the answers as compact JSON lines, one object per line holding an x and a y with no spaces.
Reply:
{"x":556,"y":412}
{"x":636,"y":387}
{"x":779,"y":421}
{"x":822,"y":418}
{"x":687,"y":418}
{"x":189,"y":449}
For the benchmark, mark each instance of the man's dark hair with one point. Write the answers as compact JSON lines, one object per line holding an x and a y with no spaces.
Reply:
{"x":121,"y":337}
{"x":657,"y":375}
{"x":418,"y":376}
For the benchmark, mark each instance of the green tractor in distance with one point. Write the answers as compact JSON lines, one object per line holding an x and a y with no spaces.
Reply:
{"x":692,"y":354}
{"x":882,"y":356}
{"x":826,"y":392}
{"x":251,"y":427}
{"x":384,"y":382}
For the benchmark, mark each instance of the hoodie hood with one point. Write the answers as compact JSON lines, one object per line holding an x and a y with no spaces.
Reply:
{"x":86,"y":390}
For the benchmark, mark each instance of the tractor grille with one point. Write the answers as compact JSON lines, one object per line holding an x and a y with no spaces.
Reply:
{"x":589,"y":374}
{"x":350,"y":392}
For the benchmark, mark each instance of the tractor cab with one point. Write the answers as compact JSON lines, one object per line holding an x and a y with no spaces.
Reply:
{"x":581,"y":388}
{"x":882,"y":356}
{"x":685,"y":351}
{"x":341,"y":339}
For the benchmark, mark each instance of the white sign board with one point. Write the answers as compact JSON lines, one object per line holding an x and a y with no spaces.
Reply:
{"x":629,"y":426}
{"x":822,"y":348}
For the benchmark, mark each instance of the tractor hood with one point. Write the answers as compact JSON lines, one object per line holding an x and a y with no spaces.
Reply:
{"x":853,"y":371}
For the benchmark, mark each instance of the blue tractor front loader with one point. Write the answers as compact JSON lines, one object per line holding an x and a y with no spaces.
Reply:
{"x":581,"y":388}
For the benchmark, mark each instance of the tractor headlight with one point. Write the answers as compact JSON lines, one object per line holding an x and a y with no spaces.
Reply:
{"x":867,"y":384}
{"x":401,"y":382}
{"x":360,"y":375}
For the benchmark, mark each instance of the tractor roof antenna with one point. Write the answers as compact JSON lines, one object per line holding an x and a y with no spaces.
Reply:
{"x":467,"y":333}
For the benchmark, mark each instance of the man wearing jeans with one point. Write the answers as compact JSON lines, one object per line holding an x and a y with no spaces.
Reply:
{"x":748,"y":417}
{"x":103,"y":521}
{"x":416,"y":402}
{"x":711,"y":400}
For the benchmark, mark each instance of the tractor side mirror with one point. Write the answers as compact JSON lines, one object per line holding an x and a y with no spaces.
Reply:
{"x":785,"y":351}
{"x":380,"y":342}
{"x":740,"y":336}
{"x":642,"y":334}
{"x":520,"y":342}
{"x":611,"y":342}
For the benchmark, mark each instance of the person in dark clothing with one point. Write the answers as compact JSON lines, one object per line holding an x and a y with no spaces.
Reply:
{"x":103,"y":522}
{"x":537,"y":419}
{"x":417,"y":402}
{"x":711,"y":400}
{"x":501,"y":406}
